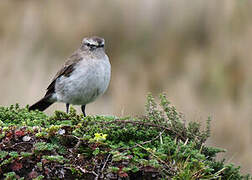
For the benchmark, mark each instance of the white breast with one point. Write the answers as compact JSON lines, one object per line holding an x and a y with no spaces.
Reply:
{"x":89,"y":80}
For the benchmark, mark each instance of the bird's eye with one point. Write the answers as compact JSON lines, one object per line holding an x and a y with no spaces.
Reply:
{"x":90,"y":45}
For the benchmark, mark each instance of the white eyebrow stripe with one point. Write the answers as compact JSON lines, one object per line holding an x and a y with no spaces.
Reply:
{"x":91,"y":41}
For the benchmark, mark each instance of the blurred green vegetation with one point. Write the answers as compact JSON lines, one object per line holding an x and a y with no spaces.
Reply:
{"x":198,"y":52}
{"x":158,"y":145}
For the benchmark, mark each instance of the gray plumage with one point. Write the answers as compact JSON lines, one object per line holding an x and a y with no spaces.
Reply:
{"x":84,"y":77}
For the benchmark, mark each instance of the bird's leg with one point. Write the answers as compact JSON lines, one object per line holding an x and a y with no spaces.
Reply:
{"x":83,"y":110}
{"x":67,"y":107}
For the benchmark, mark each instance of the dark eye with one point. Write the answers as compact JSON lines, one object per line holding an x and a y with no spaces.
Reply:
{"x":90,"y":45}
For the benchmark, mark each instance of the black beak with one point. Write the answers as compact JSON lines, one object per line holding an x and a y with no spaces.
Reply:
{"x":100,"y":46}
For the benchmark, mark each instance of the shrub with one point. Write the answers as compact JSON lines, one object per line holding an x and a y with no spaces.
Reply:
{"x":158,"y":145}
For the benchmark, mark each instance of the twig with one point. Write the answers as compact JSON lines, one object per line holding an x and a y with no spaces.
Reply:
{"x":145,"y":142}
{"x":96,"y":175}
{"x":82,"y":170}
{"x":14,"y":145}
{"x":72,"y":136}
{"x":104,"y":165}
{"x":167,"y":166}
{"x":85,"y":171}
{"x":78,"y":143}
{"x":161,"y":139}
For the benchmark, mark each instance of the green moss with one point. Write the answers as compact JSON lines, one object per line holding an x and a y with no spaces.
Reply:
{"x":43,"y":146}
{"x":113,"y":169}
{"x":13,"y":154}
{"x":56,"y":158}
{"x":25,"y":154}
{"x":14,"y":115}
{"x":160,"y":143}
{"x":3,"y":154}
{"x":39,"y":165}
{"x":6,"y":161}
{"x":40,"y":177}
{"x":10,"y":176}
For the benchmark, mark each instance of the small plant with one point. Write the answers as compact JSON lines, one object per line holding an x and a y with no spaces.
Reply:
{"x":3,"y":154}
{"x":56,"y":158}
{"x":10,"y":176}
{"x":99,"y":137}
{"x":43,"y":146}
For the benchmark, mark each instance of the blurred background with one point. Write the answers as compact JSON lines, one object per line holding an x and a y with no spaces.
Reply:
{"x":198,"y":52}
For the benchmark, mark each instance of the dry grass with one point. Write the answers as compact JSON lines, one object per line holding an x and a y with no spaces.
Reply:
{"x":198,"y":52}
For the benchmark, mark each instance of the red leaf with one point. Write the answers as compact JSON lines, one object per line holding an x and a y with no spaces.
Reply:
{"x":149,"y":169}
{"x":122,"y":174}
{"x":33,"y":175}
{"x":47,"y":170}
{"x":16,"y":166}
{"x":19,"y":133}
{"x":130,"y":156}
{"x":94,"y":146}
{"x":44,"y":161}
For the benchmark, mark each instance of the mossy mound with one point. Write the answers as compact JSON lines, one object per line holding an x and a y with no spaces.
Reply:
{"x":159,"y":145}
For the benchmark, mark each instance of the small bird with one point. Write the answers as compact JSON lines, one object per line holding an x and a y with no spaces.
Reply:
{"x":84,"y":77}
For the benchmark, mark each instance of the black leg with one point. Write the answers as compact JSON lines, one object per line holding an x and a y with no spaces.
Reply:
{"x":83,"y":110}
{"x":67,"y":107}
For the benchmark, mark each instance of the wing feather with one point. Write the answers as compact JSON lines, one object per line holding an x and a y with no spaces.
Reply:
{"x":66,"y":71}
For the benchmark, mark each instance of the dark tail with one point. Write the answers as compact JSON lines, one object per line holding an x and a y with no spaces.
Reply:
{"x":41,"y":105}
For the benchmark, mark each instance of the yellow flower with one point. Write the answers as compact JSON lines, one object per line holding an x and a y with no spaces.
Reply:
{"x":100,"y":137}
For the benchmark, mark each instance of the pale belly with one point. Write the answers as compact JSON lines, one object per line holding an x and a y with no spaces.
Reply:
{"x":85,"y":84}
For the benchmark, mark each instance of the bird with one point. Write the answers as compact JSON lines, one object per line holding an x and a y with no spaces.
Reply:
{"x":84,"y":77}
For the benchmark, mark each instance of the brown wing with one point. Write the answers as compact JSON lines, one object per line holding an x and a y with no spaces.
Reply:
{"x":66,"y":70}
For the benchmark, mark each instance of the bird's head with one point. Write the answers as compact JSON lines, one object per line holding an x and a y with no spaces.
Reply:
{"x":93,"y":43}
